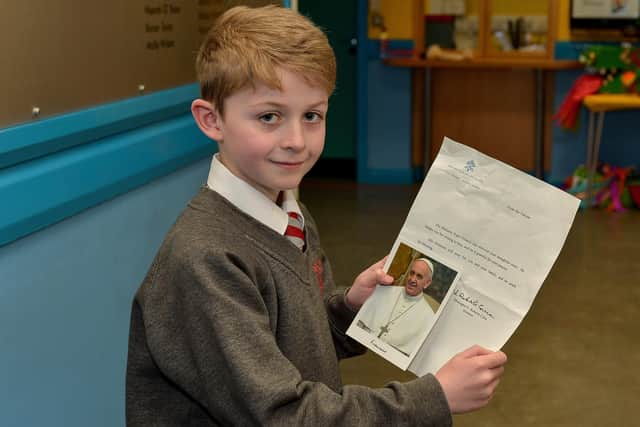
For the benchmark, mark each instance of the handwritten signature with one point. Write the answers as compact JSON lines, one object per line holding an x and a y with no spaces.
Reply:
{"x":375,"y":344}
{"x":473,"y":301}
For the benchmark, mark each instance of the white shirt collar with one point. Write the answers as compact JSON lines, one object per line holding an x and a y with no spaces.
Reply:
{"x":411,"y":298}
{"x":251,"y":201}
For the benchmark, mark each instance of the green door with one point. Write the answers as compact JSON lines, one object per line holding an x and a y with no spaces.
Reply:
{"x":338,"y":19}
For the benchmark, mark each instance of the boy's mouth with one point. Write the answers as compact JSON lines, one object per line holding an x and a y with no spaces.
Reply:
{"x":288,"y":165}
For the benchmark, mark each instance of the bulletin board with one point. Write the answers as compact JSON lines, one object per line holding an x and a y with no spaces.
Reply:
{"x":64,"y":55}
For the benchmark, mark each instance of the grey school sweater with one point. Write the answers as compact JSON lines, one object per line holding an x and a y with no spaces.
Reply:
{"x":233,"y":325}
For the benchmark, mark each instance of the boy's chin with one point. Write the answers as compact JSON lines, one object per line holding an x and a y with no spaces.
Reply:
{"x":291,"y":184}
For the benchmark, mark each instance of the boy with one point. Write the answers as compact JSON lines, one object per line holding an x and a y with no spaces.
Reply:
{"x":236,"y":324}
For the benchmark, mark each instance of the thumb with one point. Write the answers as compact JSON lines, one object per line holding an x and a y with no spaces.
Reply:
{"x":383,"y":278}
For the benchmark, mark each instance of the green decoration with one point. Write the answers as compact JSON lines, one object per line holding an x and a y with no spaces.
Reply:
{"x":619,"y":67}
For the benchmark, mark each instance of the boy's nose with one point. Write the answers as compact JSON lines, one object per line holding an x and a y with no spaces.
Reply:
{"x":294,"y":138}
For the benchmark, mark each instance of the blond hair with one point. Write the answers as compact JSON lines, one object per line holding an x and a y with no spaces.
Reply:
{"x":245,"y":46}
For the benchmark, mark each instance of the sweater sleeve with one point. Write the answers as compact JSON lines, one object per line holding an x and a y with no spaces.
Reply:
{"x":340,"y":317}
{"x":209,"y":332}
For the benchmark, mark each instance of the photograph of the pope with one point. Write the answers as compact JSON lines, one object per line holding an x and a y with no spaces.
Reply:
{"x":399,"y":314}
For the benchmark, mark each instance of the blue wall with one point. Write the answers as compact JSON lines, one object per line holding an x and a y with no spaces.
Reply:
{"x":65,"y":296}
{"x":87,"y":197}
{"x":388,"y":156}
{"x":384,"y":116}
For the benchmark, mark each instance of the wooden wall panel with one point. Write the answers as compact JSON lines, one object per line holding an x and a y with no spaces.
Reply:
{"x":549,"y":91}
{"x":490,"y":110}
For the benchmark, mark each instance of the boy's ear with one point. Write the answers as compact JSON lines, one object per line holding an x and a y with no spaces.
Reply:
{"x":208,"y":119}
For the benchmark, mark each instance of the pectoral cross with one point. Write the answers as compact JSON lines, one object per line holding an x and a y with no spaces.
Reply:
{"x":383,"y":330}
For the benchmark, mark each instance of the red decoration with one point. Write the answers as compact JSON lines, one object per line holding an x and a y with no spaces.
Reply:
{"x":585,"y":85}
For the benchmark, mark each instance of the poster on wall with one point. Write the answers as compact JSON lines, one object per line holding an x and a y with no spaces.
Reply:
{"x":605,"y":9}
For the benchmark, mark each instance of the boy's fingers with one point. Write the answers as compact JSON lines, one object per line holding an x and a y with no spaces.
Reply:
{"x":494,"y":375}
{"x":492,"y":361}
{"x":495,"y":360}
{"x":497,"y":372}
{"x":491,"y":387}
{"x":475,"y":350}
{"x":488,"y":358}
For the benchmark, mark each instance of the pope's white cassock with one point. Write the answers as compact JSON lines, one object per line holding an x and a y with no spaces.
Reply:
{"x":397,"y":318}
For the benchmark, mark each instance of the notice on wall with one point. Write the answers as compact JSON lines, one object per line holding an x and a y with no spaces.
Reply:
{"x":67,"y":55}
{"x":160,"y":24}
{"x":608,"y":9}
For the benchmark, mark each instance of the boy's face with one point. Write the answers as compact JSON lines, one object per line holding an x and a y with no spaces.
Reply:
{"x":271,"y":138}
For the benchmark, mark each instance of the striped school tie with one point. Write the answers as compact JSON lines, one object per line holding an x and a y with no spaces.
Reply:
{"x":294,"y":231}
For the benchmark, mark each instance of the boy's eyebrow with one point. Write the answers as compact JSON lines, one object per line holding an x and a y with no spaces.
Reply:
{"x":279,"y":105}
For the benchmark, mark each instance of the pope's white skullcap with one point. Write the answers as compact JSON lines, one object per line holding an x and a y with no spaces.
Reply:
{"x":429,"y":263}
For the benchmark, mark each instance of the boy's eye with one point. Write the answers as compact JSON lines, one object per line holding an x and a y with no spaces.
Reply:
{"x":269,"y":118}
{"x":312,"y":116}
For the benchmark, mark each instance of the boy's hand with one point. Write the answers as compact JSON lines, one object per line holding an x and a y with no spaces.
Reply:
{"x":470,"y":378}
{"x":365,"y":284}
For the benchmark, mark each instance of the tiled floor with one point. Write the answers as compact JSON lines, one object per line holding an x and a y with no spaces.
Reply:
{"x":574,"y":360}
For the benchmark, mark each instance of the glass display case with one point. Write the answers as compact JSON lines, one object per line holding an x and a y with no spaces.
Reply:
{"x":488,"y":29}
{"x":519,"y":28}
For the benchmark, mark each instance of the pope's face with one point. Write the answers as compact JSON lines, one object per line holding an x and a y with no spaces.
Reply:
{"x":418,"y":279}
